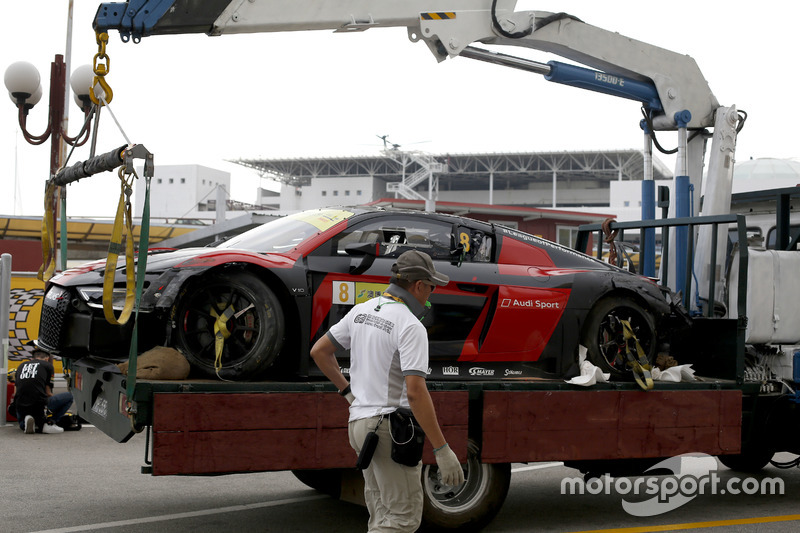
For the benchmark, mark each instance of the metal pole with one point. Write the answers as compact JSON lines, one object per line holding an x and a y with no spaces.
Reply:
{"x":5,"y":299}
{"x":648,"y":244}
{"x":63,"y":131}
{"x":682,"y":183}
{"x":57,"y":91}
{"x":491,"y":187}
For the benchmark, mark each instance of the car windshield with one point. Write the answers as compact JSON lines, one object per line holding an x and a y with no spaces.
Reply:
{"x":285,"y":233}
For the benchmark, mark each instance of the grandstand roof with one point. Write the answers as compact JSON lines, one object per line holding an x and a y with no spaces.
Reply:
{"x":465,"y":171}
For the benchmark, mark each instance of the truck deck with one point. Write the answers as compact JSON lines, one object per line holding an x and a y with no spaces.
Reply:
{"x":202,"y":426}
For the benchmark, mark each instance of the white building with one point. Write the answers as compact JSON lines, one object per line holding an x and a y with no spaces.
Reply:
{"x":183,"y":192}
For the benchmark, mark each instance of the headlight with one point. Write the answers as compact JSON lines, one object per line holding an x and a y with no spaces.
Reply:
{"x":93,"y":296}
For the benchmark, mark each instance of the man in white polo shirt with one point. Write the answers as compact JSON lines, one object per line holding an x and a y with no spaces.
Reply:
{"x":388,"y":366}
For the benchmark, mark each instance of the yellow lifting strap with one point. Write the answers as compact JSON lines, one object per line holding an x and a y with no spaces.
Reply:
{"x":48,"y":232}
{"x":122,"y":220}
{"x":639,"y":365}
{"x":221,"y":333}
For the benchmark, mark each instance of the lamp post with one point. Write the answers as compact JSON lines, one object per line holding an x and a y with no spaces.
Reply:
{"x":23,"y":83}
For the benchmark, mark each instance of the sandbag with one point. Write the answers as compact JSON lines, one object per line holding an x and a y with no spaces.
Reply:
{"x":160,"y":362}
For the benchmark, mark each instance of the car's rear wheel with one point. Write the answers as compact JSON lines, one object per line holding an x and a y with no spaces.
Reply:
{"x":603,"y":334}
{"x":469,"y":506}
{"x":229,"y":325}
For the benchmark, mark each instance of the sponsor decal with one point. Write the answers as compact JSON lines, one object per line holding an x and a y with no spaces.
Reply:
{"x":367,"y":291}
{"x":450,"y":370}
{"x":510,"y":372}
{"x":538,"y":241}
{"x":345,"y":370}
{"x":480,"y":371}
{"x":322,"y":219}
{"x":528,"y":304}
{"x":55,"y":294}
{"x":351,"y":293}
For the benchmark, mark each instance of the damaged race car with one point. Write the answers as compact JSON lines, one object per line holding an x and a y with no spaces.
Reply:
{"x":516,"y":306}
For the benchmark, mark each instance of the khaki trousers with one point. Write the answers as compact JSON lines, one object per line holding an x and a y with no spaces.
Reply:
{"x":393,"y":492}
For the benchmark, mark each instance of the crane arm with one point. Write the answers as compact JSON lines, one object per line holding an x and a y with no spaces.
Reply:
{"x":667,"y":83}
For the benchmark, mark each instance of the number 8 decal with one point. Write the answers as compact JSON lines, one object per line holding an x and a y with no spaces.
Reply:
{"x":463,"y":238}
{"x":344,"y":292}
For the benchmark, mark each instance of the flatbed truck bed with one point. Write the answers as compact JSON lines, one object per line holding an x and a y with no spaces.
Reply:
{"x":202,"y":426}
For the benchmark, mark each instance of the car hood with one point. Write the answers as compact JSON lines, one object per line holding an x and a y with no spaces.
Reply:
{"x":157,"y":262}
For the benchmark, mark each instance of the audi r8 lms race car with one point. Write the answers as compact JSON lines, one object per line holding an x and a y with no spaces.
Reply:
{"x":516,"y":305}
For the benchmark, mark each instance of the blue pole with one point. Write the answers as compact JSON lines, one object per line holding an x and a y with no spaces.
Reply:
{"x":649,"y":213}
{"x":682,"y":183}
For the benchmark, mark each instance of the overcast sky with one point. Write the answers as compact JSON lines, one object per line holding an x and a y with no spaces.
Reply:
{"x":194,"y":99}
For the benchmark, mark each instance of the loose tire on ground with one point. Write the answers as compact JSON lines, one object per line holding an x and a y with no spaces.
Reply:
{"x":256,"y":326}
{"x":470,"y":506}
{"x":602,"y":333}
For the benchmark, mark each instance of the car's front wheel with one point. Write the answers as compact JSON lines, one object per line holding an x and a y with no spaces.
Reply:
{"x":229,"y":325}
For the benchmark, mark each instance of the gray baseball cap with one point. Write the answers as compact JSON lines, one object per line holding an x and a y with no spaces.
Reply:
{"x":414,"y":265}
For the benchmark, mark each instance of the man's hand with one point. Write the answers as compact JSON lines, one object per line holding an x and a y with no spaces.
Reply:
{"x":348,"y":395}
{"x":323,"y":352}
{"x":422,"y":406}
{"x":449,"y":467}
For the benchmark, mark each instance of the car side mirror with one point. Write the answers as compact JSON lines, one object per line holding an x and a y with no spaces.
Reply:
{"x":362,"y":255}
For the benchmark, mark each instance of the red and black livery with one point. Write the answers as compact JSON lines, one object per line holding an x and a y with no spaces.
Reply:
{"x":517,"y":306}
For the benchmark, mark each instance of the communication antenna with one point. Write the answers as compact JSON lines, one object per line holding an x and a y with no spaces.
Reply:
{"x":387,"y":142}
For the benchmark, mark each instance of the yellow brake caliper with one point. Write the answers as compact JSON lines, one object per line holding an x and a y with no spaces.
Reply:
{"x":639,"y":365}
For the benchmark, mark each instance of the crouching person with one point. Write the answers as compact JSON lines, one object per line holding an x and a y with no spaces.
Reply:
{"x":33,"y":395}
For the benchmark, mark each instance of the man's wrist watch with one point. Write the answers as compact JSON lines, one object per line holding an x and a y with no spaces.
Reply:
{"x":345,"y":390}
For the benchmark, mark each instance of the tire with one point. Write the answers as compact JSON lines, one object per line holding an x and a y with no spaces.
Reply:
{"x":470,"y":506}
{"x":751,"y":462}
{"x":256,"y":330}
{"x":602,"y":334}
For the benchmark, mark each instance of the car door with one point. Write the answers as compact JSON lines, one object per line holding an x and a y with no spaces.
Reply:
{"x":462,"y":250}
{"x":530,"y":297}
